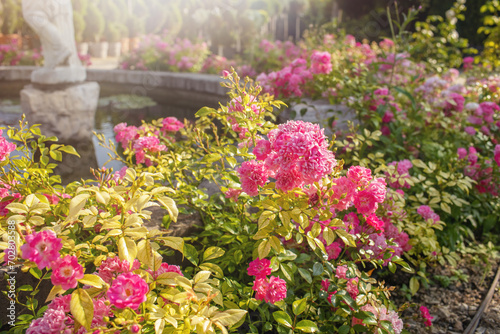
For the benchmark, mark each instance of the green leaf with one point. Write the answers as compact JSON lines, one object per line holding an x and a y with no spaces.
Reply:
{"x":282,"y":318}
{"x":211,"y":158}
{"x":167,"y":278}
{"x":408,"y":95}
{"x":329,"y":236}
{"x":264,"y":248}
{"x":299,"y":306}
{"x":191,"y":253}
{"x":82,"y":308}
{"x":445,"y":207}
{"x":204,"y":111}
{"x":92,"y":280}
{"x":317,"y":269}
{"x":56,"y":290}
{"x":37,"y":273}
{"x":159,"y":326}
{"x":305,"y":275}
{"x":213,"y":268}
{"x":69,"y":149}
{"x":370,"y":321}
{"x":127,"y":250}
{"x":17,"y":208}
{"x":169,"y":204}
{"x":36,"y":130}
{"x":287,"y":272}
{"x":231,"y":161}
{"x":76,"y":204}
{"x":275,"y":243}
{"x":392,"y":267}
{"x":175,"y":243}
{"x":213,"y":253}
{"x":145,"y":253}
{"x":229,"y":317}
{"x":346,"y":237}
{"x":414,"y":285}
{"x":344,"y":329}
{"x":201,"y":277}
{"x":238,"y":256}
{"x":56,"y":155}
{"x":307,"y":326}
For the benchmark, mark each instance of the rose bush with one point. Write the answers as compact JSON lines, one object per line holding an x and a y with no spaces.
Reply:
{"x":309,"y":232}
{"x":432,"y":131}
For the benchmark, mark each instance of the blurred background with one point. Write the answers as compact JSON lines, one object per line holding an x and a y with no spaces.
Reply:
{"x":228,"y":27}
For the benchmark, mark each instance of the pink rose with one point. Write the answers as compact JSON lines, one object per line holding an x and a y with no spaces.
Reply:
{"x":66,"y":272}
{"x":128,"y":290}
{"x":259,"y":268}
{"x":42,"y":248}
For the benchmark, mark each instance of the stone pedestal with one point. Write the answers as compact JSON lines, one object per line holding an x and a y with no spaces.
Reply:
{"x":59,"y":75}
{"x":64,"y":111}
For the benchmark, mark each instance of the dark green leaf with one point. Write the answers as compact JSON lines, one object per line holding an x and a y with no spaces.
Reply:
{"x":191,"y":254}
{"x":317,"y":269}
{"x":305,"y":275}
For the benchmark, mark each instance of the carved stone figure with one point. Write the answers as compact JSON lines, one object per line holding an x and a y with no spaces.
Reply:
{"x":52,"y":20}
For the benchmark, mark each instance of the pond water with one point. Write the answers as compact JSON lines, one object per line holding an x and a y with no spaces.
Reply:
{"x":112,"y":110}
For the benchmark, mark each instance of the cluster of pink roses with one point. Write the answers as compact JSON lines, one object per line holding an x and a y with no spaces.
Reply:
{"x":424,"y":311}
{"x":482,"y":116}
{"x":145,"y":141}
{"x":468,"y":63}
{"x":287,"y":49}
{"x":397,"y":69}
{"x":270,"y":289}
{"x":5,"y":147}
{"x":351,"y":284}
{"x":382,"y":314}
{"x":43,"y":248}
{"x":13,"y":55}
{"x":159,"y":53}
{"x":383,"y":97}
{"x":58,"y":319}
{"x":321,"y":62}
{"x":215,"y":64}
{"x":7,"y":195}
{"x":483,"y":173}
{"x":127,"y":290}
{"x":427,"y":213}
{"x":379,"y":232}
{"x":296,"y":155}
{"x":289,"y":81}
{"x":361,"y":191}
{"x":402,"y":173}
{"x":352,"y":287}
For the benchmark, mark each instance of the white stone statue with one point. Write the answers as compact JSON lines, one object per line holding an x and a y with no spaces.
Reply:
{"x":52,"y":20}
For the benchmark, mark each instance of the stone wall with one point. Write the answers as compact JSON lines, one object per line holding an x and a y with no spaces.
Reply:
{"x":160,"y":86}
